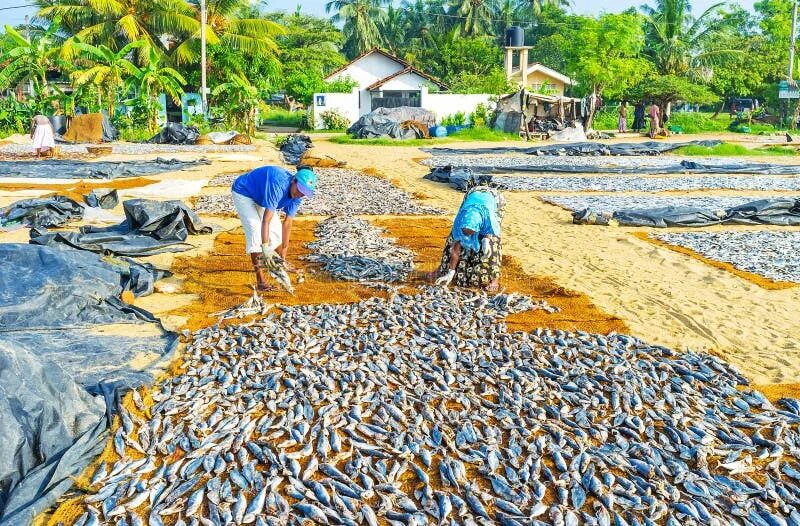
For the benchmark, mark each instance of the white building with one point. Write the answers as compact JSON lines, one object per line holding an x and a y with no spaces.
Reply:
{"x":384,"y":80}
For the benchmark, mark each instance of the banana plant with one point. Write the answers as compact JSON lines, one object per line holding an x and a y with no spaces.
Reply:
{"x":239,"y":101}
{"x":106,"y":70}
{"x":151,"y":80}
{"x":28,"y":59}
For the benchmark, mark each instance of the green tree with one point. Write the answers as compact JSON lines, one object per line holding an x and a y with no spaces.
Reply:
{"x":743,"y":73}
{"x":239,"y":102}
{"x":678,"y":43}
{"x":150,"y":81}
{"x":28,"y":59}
{"x":115,"y":23}
{"x":538,"y":6}
{"x":362,"y":23}
{"x":605,"y":54}
{"x":232,"y":24}
{"x":107,"y":70}
{"x":476,"y":16}
{"x":668,"y":89}
{"x":493,"y":82}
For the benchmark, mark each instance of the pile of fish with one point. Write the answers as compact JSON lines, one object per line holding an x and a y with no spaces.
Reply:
{"x":609,"y":204}
{"x":610,"y":165}
{"x":351,"y":249}
{"x":340,"y":191}
{"x":644,"y":184}
{"x":423,"y":409}
{"x":776,"y":257}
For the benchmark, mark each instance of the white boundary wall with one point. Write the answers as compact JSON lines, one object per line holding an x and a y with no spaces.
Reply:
{"x":442,"y":104}
{"x":346,"y":103}
{"x":445,"y":104}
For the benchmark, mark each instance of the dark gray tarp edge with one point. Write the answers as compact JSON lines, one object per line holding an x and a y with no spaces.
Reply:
{"x":773,"y":211}
{"x":72,"y":169}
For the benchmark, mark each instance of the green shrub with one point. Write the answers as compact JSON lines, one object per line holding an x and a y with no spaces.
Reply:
{"x":456,"y":119}
{"x":332,"y":119}
{"x":481,"y":116}
{"x":281,"y":117}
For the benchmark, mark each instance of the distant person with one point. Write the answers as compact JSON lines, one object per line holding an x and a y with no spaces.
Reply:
{"x":733,"y":110}
{"x":622,"y":123}
{"x":472,"y":254}
{"x":42,"y":135}
{"x":258,"y":196}
{"x":638,"y":117}
{"x":655,"y":119}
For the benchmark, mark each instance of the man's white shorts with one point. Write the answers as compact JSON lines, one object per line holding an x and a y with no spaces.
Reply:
{"x":251,"y":216}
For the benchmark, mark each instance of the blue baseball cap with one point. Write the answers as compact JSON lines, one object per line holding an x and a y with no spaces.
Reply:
{"x":306,"y":182}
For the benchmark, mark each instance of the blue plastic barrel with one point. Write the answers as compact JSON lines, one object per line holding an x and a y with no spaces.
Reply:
{"x":438,"y":131}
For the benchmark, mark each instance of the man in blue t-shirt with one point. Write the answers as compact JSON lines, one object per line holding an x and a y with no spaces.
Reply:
{"x":258,"y":197}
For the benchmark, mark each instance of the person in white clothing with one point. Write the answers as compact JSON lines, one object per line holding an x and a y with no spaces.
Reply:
{"x":42,"y":135}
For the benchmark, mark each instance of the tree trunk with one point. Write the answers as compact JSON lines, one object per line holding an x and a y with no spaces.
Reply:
{"x":719,"y":110}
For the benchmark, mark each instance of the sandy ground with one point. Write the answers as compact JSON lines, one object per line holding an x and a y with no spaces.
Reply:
{"x":664,"y":297}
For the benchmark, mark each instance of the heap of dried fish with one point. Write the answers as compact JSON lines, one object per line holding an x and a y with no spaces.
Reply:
{"x":609,"y":204}
{"x":351,"y":249}
{"x":340,"y":191}
{"x":424,"y":409}
{"x":644,"y":184}
{"x":776,"y":257}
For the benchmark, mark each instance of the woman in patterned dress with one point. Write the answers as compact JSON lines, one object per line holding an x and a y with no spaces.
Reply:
{"x":472,"y":254}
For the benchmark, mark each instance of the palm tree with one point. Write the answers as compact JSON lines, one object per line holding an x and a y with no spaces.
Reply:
{"x":107,"y":70}
{"x":476,"y":16}
{"x":115,"y":23}
{"x":363,"y":21}
{"x":537,"y":6}
{"x":153,"y":79}
{"x":28,"y":59}
{"x":251,"y":36}
{"x":678,"y":42}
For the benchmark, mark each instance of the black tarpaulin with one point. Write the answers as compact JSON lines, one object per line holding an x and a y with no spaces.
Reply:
{"x":386,"y":122}
{"x":71,"y":169}
{"x":150,"y":227}
{"x":176,"y":133}
{"x":41,"y":212}
{"x":460,"y":178}
{"x":59,"y":343}
{"x":104,"y":198}
{"x":775,"y":211}
{"x":294,"y":147}
{"x":51,"y":429}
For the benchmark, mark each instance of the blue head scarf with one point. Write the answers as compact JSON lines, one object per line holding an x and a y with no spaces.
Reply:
{"x":470,"y":218}
{"x":479,"y":214}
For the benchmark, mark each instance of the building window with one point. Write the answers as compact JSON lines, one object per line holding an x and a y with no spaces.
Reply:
{"x":320,"y":100}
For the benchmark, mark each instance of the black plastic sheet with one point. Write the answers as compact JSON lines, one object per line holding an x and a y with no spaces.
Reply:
{"x":150,"y":227}
{"x":59,"y":309}
{"x":775,"y":211}
{"x":102,"y":198}
{"x":579,"y":149}
{"x":41,"y":212}
{"x":386,"y":122}
{"x":294,"y":147}
{"x":460,"y":178}
{"x":70,"y":169}
{"x":52,"y":429}
{"x":176,"y":133}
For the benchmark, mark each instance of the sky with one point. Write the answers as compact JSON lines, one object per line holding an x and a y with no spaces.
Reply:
{"x":317,"y":7}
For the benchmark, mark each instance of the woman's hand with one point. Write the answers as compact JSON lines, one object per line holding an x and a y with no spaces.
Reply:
{"x":446,"y":279}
